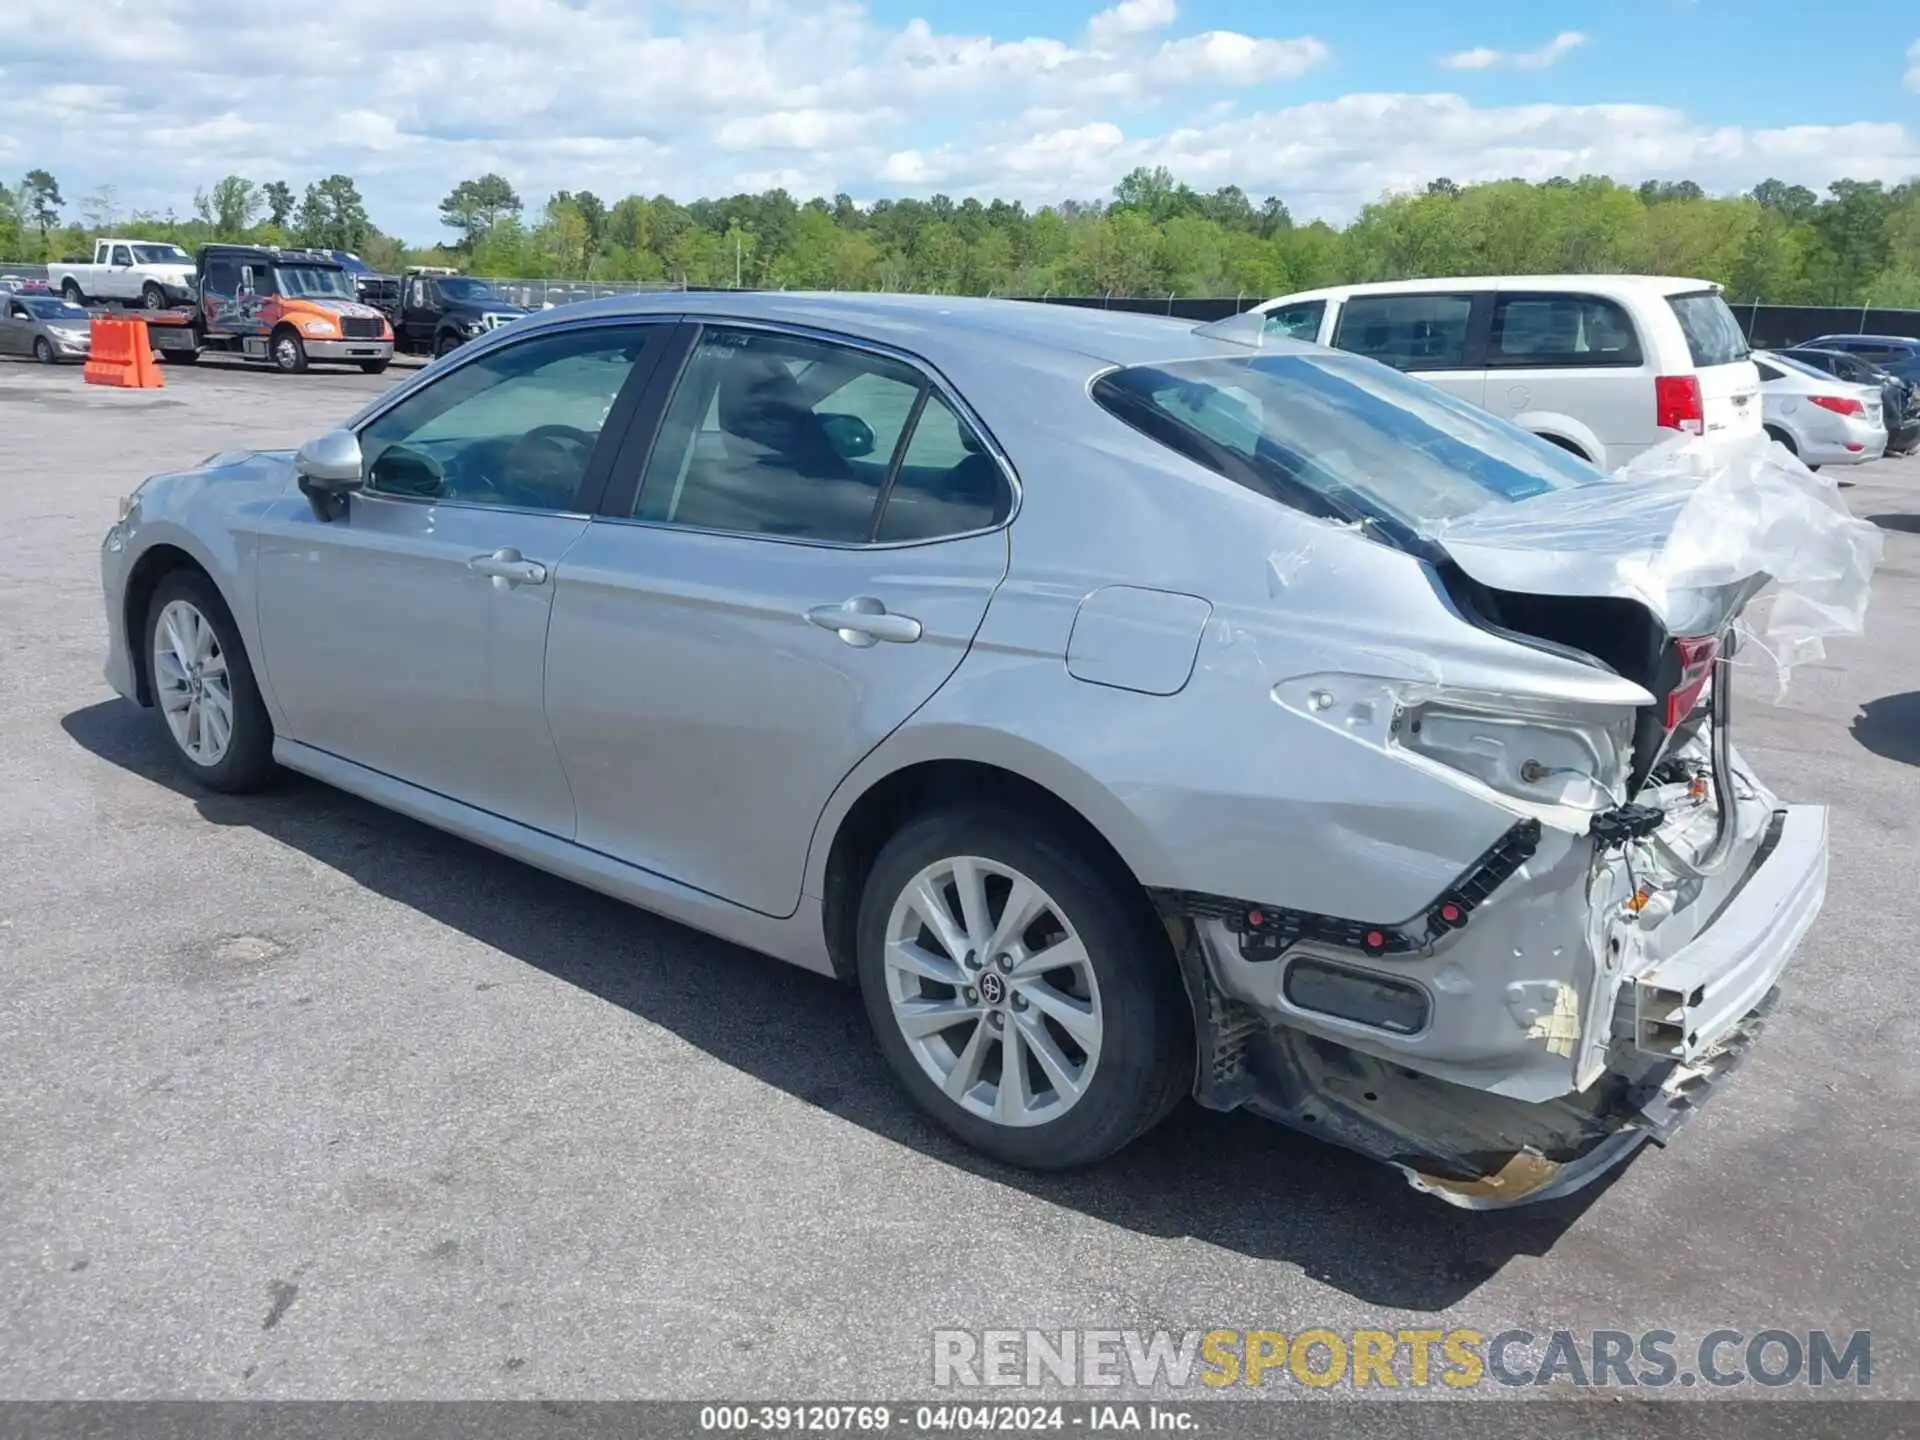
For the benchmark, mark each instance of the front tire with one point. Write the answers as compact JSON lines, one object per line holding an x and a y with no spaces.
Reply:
{"x":375,"y":367}
{"x":446,"y":344}
{"x":152,"y":297}
{"x":1025,"y":996}
{"x":288,"y":352}
{"x":202,"y":683}
{"x":43,"y":351}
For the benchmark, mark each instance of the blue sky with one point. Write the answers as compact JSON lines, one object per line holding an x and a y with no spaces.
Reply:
{"x":1326,"y":105}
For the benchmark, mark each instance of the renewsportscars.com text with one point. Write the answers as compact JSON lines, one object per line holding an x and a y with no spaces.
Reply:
{"x":1399,"y":1359}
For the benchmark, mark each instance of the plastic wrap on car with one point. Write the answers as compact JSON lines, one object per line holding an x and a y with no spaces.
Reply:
{"x":1696,"y":522}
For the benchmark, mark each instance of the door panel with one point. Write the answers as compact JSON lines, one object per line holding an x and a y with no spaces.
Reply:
{"x":386,"y":647}
{"x":704,"y":720}
{"x":410,"y":634}
{"x":1557,"y":355}
{"x":730,"y":642}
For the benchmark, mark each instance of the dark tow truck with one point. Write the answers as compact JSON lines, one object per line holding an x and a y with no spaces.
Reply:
{"x":441,"y":312}
{"x":285,"y":307}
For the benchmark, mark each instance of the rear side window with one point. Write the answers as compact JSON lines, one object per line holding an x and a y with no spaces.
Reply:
{"x":1561,"y":331}
{"x":1297,"y":322}
{"x":1408,"y":332}
{"x":1713,"y":335}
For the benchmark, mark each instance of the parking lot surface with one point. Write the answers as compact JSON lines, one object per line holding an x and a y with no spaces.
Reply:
{"x":299,"y":1098}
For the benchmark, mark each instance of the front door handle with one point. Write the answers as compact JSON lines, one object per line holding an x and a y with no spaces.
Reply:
{"x":864,"y":621}
{"x":509,"y":568}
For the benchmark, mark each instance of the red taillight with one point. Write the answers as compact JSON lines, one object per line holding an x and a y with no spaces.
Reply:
{"x":1839,"y":404}
{"x":1677,"y":404}
{"x":1696,"y":665}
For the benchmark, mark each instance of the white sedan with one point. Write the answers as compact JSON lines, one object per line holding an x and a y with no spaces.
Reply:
{"x":1822,"y":420}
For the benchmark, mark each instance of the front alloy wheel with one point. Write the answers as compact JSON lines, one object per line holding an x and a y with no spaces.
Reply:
{"x":993,"y":991}
{"x":191,"y":684}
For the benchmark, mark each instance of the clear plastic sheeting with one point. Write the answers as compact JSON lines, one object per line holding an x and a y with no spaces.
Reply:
{"x":1693,"y":529}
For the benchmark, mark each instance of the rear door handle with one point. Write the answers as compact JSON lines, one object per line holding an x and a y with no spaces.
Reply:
{"x":509,"y":568}
{"x":864,"y":621}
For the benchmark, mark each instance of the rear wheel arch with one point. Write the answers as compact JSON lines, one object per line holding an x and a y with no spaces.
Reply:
{"x":898,"y":798}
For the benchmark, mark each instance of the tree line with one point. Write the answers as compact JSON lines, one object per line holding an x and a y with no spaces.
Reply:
{"x":1857,"y":244}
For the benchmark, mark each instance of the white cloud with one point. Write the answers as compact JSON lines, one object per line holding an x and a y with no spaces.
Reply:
{"x":710,"y":97}
{"x":1131,"y":17}
{"x":1551,"y":53}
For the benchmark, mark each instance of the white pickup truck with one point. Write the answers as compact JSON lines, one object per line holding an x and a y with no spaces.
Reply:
{"x":152,"y":273}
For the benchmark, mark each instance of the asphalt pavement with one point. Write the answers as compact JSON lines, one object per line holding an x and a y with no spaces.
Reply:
{"x":302,"y":1099}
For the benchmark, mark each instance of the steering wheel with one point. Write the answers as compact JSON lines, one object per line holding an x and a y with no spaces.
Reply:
{"x":548,"y":462}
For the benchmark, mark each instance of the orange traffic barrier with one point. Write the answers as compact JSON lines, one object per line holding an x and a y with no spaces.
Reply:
{"x":121,"y":355}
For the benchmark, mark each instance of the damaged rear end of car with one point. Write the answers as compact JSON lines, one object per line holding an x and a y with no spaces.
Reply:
{"x":1552,"y":705}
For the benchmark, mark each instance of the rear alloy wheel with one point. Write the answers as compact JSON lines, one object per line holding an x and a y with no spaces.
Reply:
{"x":43,"y":351}
{"x":289,"y":354}
{"x":1027,"y":1001}
{"x":203,"y":685}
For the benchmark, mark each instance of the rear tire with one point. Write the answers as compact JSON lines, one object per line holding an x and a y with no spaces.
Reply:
{"x":1775,"y":432}
{"x":72,"y":293}
{"x":288,"y":353}
{"x":202,"y":683}
{"x":1100,"y":1042}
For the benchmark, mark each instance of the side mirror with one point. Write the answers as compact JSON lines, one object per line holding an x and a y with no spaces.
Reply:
{"x":850,"y":436}
{"x":329,"y":470}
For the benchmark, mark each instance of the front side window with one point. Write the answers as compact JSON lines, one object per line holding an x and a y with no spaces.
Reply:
{"x":514,"y":427}
{"x":778,"y":435}
{"x":121,"y":255}
{"x":1338,"y":438}
{"x":1299,"y":321}
{"x":1408,"y":332}
{"x":1561,"y":332}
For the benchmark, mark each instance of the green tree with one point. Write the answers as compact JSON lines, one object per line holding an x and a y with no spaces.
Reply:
{"x":234,"y":204}
{"x":278,"y":196}
{"x":40,"y":201}
{"x":332,"y":215}
{"x":474,"y":206}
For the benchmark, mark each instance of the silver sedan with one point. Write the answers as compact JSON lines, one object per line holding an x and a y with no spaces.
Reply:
{"x":52,"y":330}
{"x":1085,"y":688}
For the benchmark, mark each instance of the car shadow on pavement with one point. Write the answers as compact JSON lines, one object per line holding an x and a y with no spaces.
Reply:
{"x":1890,"y":727}
{"x":1905,"y":524}
{"x":1233,"y":1181}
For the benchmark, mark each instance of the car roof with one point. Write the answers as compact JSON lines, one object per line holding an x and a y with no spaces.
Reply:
{"x":1615,"y":286}
{"x":1906,"y":340}
{"x":949,"y":331}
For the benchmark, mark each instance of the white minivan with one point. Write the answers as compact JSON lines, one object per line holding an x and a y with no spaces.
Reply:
{"x":1604,"y":365}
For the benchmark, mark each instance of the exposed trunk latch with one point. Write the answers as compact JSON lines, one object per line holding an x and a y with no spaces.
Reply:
{"x":1624,"y":824}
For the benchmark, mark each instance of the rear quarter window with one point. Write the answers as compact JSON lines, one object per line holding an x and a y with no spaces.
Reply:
{"x":1558,"y":332}
{"x":1713,"y":336}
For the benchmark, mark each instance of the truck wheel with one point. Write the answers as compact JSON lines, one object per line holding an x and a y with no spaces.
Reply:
{"x":180,"y":357}
{"x":289,"y":355}
{"x":374,"y":367}
{"x":446,"y":344}
{"x":152,"y":297}
{"x":71,"y":293}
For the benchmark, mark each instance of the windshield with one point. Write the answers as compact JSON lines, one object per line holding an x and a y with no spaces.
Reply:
{"x":1713,"y":336}
{"x":53,"y":310}
{"x":161,"y":255}
{"x":1339,"y":436}
{"x":460,"y":288}
{"x":314,"y":280}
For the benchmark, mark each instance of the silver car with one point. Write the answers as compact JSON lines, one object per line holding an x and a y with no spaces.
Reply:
{"x":50,"y":329}
{"x":1084,"y":687}
{"x":1822,"y":420}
